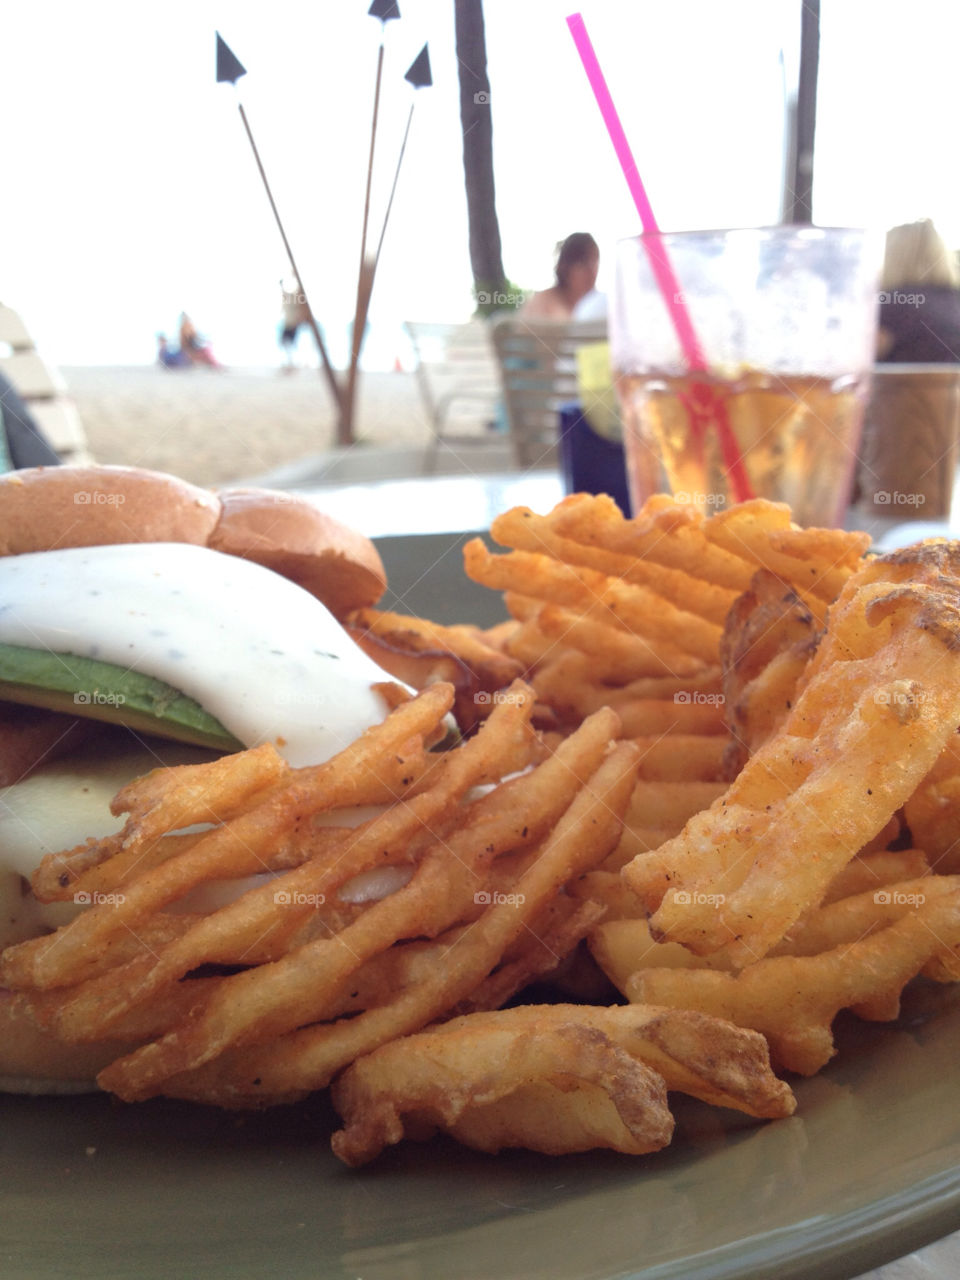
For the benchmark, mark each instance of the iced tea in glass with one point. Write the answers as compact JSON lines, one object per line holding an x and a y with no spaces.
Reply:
{"x":785,"y":318}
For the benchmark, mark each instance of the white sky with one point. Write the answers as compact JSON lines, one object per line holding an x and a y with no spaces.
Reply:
{"x":131,"y":193}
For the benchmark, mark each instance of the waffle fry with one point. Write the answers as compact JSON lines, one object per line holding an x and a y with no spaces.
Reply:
{"x":554,"y":1078}
{"x":879,"y":703}
{"x":866,"y":975}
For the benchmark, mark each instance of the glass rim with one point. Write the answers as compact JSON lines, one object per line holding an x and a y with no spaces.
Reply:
{"x":773,"y":228}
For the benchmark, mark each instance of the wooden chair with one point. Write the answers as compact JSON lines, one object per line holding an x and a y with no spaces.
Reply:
{"x":538,"y":373}
{"x":910,"y":447}
{"x":457,"y":376}
{"x":42,"y":389}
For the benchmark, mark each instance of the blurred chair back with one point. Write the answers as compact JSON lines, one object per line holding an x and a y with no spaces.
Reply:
{"x":538,"y":373}
{"x":42,"y":389}
{"x":911,"y":441}
{"x":457,"y":376}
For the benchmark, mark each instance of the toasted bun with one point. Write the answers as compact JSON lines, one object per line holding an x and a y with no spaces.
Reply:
{"x":51,"y":507}
{"x":33,"y":1061}
{"x":289,"y":535}
{"x":46,"y":507}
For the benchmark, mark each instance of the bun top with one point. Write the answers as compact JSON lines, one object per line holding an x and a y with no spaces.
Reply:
{"x":45,"y":508}
{"x":289,"y":535}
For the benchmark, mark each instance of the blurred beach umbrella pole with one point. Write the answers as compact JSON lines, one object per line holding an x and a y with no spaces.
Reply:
{"x":386,"y":11}
{"x":229,"y":70}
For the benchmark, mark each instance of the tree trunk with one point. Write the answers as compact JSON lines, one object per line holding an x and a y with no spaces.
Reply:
{"x":477,"y":125}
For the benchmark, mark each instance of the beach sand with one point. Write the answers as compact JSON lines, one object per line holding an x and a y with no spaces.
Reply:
{"x":215,"y":427}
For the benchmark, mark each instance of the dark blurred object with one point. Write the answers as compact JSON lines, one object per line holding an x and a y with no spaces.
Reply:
{"x":919,"y":318}
{"x":24,"y":443}
{"x":922,"y":324}
{"x":591,"y":463}
{"x":909,"y":448}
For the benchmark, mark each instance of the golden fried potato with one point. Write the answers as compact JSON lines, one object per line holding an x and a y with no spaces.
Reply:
{"x":522,"y":530}
{"x":635,"y":609}
{"x":385,"y":759}
{"x":421,"y":653}
{"x":817,"y":562}
{"x":876,"y":870}
{"x":793,"y":1000}
{"x":663,"y":531}
{"x":553,"y":1078}
{"x":616,"y":656}
{"x":932,"y":813}
{"x":623,"y":947}
{"x":288,"y":1065}
{"x":682,"y":757}
{"x":882,"y":699}
{"x":768,"y":638}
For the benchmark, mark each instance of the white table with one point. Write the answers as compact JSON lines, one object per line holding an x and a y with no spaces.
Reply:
{"x":436,"y":504}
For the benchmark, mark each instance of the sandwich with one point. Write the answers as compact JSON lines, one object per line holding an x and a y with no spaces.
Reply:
{"x":147,"y":622}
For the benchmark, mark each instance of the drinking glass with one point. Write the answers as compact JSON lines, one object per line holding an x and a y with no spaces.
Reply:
{"x":764,"y":396}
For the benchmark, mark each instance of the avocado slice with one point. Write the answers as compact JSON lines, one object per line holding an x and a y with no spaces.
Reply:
{"x":103,"y":691}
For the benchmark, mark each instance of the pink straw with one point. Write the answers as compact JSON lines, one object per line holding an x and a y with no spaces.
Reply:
{"x":656,"y":251}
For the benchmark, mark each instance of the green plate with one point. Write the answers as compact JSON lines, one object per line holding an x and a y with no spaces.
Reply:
{"x":868,"y":1169}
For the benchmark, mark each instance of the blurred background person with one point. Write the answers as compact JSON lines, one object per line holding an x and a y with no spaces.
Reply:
{"x":294,"y":315}
{"x":920,"y":300}
{"x":196,"y":348}
{"x":169,"y":356}
{"x":578,"y":261}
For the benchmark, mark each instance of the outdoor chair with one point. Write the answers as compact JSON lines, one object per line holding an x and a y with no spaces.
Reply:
{"x":42,"y":389}
{"x":910,"y":448}
{"x":538,"y":373}
{"x":457,"y":376}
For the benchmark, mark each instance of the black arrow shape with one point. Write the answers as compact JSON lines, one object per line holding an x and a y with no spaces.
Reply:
{"x":419,"y":73}
{"x":385,"y":10}
{"x":229,"y":66}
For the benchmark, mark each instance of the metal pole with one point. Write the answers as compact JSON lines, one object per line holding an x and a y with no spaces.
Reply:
{"x":311,"y":319}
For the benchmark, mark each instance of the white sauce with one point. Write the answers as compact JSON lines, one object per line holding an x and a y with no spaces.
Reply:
{"x":252,"y":648}
{"x":255,"y":650}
